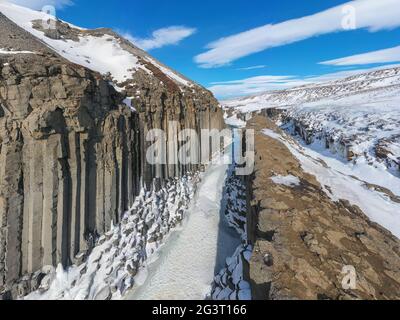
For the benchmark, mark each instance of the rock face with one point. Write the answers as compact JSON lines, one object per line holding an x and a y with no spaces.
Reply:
{"x":72,"y":152}
{"x":304,"y":243}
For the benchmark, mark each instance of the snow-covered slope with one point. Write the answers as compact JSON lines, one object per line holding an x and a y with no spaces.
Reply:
{"x":370,"y":84}
{"x":356,"y":117}
{"x":100,"y":50}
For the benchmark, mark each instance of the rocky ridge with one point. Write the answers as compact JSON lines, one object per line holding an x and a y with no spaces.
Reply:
{"x":303,"y":240}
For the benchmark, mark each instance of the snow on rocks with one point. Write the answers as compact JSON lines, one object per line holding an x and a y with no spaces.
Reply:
{"x":109,"y":271}
{"x":289,"y":180}
{"x":168,"y":72}
{"x":103,"y":54}
{"x":236,"y":207}
{"x":379,"y":201}
{"x":229,"y":283}
{"x":129,"y":103}
{"x":234,"y":121}
{"x":355,"y":118}
{"x":349,"y":136}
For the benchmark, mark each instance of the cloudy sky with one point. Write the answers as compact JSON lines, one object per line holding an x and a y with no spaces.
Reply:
{"x":237,"y":47}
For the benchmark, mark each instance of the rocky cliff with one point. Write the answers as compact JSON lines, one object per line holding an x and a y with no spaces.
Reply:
{"x":305,"y":243}
{"x":72,"y":144}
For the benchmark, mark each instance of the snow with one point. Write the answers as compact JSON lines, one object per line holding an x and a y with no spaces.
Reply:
{"x":128,"y":102}
{"x":170,"y":74}
{"x":352,"y":116}
{"x":289,"y":180}
{"x":338,"y":182}
{"x":102,"y":54}
{"x":23,"y":16}
{"x":4,"y":51}
{"x":186,"y":265}
{"x":233,"y":273}
{"x":234,"y":121}
{"x":230,"y":283}
{"x":298,"y":96}
{"x":120,"y":256}
{"x":342,"y":123}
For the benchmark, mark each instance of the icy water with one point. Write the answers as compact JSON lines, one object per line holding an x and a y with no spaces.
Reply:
{"x":186,"y":265}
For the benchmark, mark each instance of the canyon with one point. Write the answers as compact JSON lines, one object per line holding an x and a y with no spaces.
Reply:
{"x":85,"y":216}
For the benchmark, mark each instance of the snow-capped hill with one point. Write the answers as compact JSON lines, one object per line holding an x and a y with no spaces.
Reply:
{"x":100,"y":50}
{"x":371,"y":82}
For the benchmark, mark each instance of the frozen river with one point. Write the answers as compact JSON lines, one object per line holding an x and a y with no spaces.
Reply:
{"x":187,"y":263}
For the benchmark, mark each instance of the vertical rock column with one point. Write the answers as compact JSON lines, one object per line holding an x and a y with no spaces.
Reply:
{"x":11,"y":206}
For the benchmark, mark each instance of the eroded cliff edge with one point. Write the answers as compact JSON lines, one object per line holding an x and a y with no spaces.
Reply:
{"x":302,"y":239}
{"x":72,"y":152}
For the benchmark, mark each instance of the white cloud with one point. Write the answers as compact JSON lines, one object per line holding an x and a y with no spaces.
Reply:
{"x":253,"y":85}
{"x":373,"y":15}
{"x":380,"y":56}
{"x":39,"y":4}
{"x":260,"y":84}
{"x":252,"y":68}
{"x":162,"y":37}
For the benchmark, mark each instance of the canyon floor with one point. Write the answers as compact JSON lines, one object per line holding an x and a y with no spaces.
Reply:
{"x":186,"y":265}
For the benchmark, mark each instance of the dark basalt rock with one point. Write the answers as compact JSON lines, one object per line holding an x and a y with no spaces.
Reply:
{"x":72,"y":154}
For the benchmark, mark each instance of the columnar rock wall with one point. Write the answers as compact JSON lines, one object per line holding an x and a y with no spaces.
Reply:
{"x":72,"y":155}
{"x":162,"y":104}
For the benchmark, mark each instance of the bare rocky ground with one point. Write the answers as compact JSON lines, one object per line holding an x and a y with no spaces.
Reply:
{"x":303,"y":240}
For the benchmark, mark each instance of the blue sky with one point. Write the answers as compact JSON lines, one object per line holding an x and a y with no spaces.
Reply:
{"x":271,"y":53}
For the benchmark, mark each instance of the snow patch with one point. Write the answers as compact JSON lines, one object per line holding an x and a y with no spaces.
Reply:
{"x":128,"y":102}
{"x":4,"y":51}
{"x":170,"y":74}
{"x":234,"y":121}
{"x":289,"y":180}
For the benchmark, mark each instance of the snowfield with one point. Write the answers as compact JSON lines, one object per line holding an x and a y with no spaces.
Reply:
{"x":298,"y":96}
